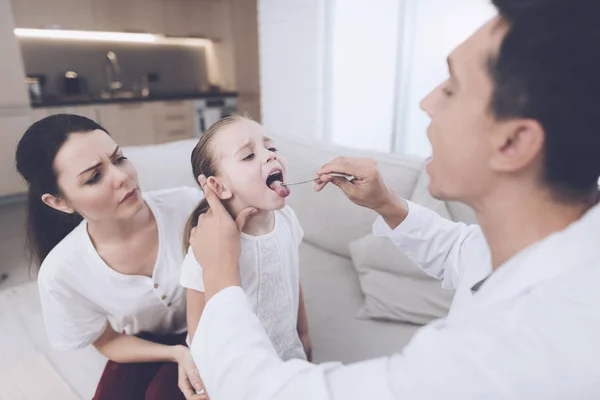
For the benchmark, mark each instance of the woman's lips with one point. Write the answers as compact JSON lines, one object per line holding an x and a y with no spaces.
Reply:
{"x":132,"y":195}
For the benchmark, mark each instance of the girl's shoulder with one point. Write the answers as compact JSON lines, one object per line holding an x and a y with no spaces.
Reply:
{"x":287,"y":214}
{"x":287,"y":217}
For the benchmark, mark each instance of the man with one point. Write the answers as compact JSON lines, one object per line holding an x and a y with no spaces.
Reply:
{"x":516,"y":135}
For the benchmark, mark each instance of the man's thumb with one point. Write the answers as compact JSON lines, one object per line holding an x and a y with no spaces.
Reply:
{"x":244,"y":216}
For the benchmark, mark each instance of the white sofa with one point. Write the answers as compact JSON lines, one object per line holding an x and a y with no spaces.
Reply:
{"x":330,"y":282}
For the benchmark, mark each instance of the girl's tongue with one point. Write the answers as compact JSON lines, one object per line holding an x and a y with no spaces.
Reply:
{"x":280,"y":189}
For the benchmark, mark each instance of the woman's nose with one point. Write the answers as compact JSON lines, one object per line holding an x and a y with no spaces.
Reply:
{"x":119,"y":177}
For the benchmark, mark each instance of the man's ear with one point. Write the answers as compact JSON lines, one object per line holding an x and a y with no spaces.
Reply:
{"x":57,"y":203}
{"x":222,"y":190}
{"x":517,"y":144}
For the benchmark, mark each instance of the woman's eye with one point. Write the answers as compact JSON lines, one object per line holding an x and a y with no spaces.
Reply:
{"x":94,"y":179}
{"x":249,"y":157}
{"x":120,"y":160}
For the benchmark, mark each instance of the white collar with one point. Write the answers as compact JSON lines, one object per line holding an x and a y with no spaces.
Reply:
{"x":572,"y":248}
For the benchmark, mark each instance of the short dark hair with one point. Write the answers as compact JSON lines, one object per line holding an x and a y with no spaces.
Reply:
{"x":35,"y":155}
{"x":548,"y":69}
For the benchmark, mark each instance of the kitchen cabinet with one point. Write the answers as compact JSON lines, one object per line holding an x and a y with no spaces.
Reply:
{"x":129,"y":15}
{"x":129,"y":124}
{"x":196,"y":18}
{"x":132,"y":124}
{"x":13,"y":92}
{"x":244,"y":21}
{"x":63,"y":14}
{"x":173,"y":120}
{"x":210,"y":19}
{"x":12,"y":128}
{"x":85,"y":111}
{"x":186,"y":17}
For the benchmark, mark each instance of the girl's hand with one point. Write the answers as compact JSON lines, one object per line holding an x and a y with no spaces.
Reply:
{"x":189,"y":380}
{"x":305,"y":339}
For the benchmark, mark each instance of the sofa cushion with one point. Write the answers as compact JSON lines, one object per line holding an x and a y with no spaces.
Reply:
{"x":395,"y":289}
{"x":332,"y":296}
{"x":162,"y":166}
{"x":461,"y":212}
{"x":328,"y":218}
{"x":450,"y":210}
{"x":421,"y":195}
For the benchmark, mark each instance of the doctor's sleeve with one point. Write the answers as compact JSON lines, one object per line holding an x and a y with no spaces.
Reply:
{"x":441,"y":248}
{"x":237,"y":362}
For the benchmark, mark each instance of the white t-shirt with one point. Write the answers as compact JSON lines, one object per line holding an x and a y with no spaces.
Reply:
{"x":269,"y":272}
{"x":80,"y":293}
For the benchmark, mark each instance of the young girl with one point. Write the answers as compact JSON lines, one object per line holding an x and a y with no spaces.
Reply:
{"x":247,"y":171}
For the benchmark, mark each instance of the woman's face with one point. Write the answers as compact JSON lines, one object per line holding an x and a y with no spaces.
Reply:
{"x":95,"y":179}
{"x":245,"y":159}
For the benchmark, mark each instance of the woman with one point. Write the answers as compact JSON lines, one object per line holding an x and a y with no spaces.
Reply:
{"x":110,"y":258}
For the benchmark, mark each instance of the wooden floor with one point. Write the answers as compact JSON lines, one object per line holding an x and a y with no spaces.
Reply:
{"x":22,"y":332}
{"x":14,"y":261}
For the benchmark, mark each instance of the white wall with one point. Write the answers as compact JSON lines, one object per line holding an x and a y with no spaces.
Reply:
{"x":291,"y":47}
{"x":434,"y":28}
{"x":364,"y":44}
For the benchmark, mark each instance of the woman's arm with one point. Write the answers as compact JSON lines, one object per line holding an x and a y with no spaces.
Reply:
{"x":195,"y":305}
{"x":303,"y":327}
{"x":123,"y":348}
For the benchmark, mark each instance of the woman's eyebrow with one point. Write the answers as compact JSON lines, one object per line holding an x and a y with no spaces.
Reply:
{"x":93,"y":167}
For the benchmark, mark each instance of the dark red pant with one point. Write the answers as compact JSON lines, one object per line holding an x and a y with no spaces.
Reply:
{"x":141,"y":381}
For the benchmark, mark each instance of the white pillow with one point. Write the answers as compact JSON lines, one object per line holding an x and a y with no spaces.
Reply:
{"x":395,"y":289}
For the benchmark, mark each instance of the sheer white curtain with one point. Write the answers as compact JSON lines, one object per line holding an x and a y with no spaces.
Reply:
{"x":328,"y":69}
{"x":431,"y":30}
{"x":363,"y":72}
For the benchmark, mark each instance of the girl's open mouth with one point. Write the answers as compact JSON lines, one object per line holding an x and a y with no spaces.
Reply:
{"x":275,"y":183}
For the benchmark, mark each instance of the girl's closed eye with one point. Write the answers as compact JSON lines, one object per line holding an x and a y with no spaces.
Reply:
{"x":273,"y":149}
{"x":249,"y":157}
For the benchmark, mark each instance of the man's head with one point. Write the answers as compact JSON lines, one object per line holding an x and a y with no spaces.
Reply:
{"x":519,"y":108}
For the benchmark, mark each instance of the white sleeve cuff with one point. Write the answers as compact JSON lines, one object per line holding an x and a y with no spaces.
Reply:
{"x":413,"y":220}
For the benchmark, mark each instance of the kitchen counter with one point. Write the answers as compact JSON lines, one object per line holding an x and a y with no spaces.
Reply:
{"x":55,"y":101}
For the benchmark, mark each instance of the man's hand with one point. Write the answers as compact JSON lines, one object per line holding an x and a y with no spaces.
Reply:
{"x":216,"y":243}
{"x":367,"y":190}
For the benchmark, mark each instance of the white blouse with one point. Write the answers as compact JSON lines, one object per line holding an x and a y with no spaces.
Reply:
{"x":269,"y":272}
{"x":80,"y":294}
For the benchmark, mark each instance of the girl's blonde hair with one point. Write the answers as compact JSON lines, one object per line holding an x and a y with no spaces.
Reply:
{"x":204,"y":163}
